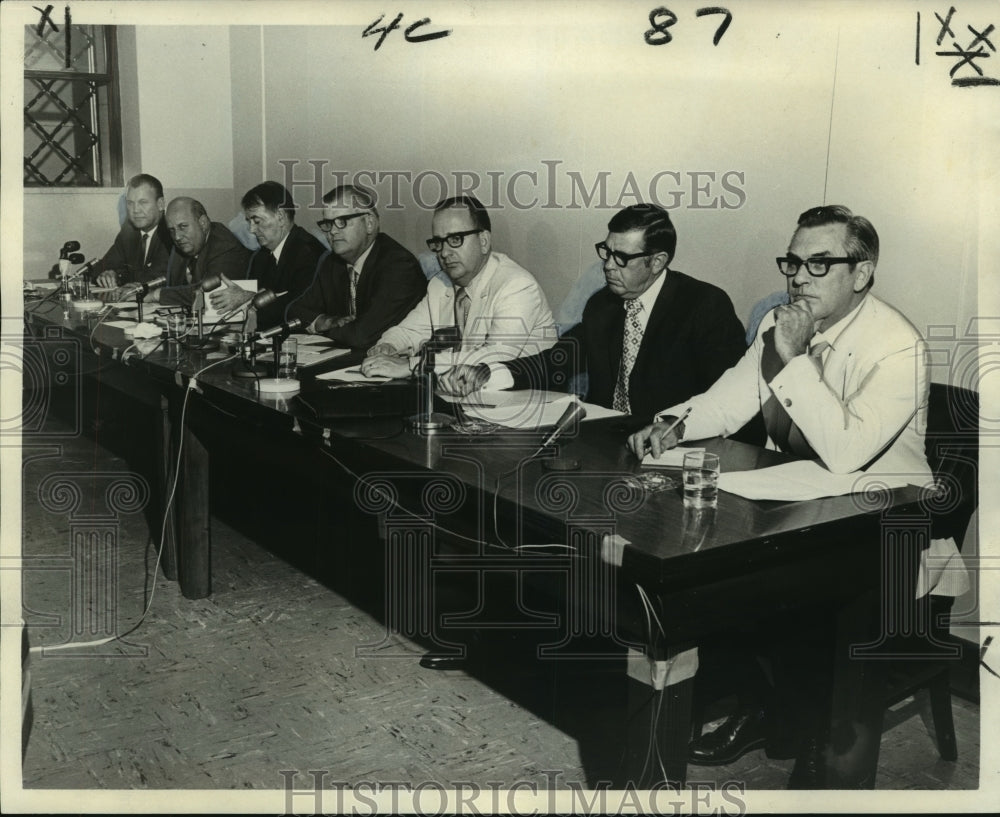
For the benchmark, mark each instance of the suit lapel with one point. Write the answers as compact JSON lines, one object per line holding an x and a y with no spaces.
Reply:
{"x":667,"y":310}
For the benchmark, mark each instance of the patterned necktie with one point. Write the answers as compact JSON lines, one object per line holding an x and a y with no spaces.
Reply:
{"x":355,"y":275}
{"x":462,"y":304}
{"x":630,"y":351}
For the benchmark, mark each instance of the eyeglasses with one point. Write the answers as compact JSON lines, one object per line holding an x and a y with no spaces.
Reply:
{"x":817,"y":267}
{"x":454,"y":240}
{"x":340,"y":222}
{"x":621,"y":258}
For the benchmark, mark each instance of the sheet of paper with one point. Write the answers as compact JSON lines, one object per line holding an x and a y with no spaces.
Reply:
{"x":802,"y":479}
{"x":310,"y":340}
{"x":120,"y":324}
{"x":351,"y":375}
{"x":310,"y":356}
{"x":213,"y":316}
{"x":529,"y":409}
{"x":672,"y":458}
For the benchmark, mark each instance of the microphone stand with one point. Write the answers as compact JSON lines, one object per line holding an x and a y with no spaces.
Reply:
{"x":200,"y":343}
{"x":430,"y":421}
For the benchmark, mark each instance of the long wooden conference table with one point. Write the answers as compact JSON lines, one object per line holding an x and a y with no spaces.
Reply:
{"x":635,"y":567}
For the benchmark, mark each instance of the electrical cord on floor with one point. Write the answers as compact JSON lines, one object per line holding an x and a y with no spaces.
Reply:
{"x":191,"y":386}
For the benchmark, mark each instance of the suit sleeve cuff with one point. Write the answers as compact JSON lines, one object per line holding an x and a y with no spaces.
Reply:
{"x":500,"y":378}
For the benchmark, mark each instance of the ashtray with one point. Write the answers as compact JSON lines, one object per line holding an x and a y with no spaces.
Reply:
{"x":474,"y":427}
{"x":651,"y":482}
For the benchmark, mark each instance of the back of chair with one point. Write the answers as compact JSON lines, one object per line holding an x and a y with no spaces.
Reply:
{"x":952,"y":446}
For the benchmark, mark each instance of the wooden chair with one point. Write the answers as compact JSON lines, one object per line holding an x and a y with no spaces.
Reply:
{"x":952,"y":445}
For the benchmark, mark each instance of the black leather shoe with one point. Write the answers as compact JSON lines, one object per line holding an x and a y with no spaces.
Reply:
{"x":740,"y":733}
{"x":809,"y":771}
{"x":442,"y":662}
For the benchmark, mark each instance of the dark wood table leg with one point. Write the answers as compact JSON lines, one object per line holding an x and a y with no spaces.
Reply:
{"x":658,"y":722}
{"x":194,"y":562}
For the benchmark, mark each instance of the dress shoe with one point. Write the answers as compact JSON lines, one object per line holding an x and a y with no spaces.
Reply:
{"x":442,"y":662}
{"x":809,"y":771}
{"x":740,"y":733}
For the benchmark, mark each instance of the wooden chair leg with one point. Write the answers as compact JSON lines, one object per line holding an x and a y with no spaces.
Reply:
{"x":944,"y":725}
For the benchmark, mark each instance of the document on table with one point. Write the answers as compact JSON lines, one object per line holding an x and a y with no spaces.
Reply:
{"x":311,"y":355}
{"x":671,"y":458}
{"x":802,"y":479}
{"x":352,"y":375}
{"x":212,"y":315}
{"x":527,"y":408}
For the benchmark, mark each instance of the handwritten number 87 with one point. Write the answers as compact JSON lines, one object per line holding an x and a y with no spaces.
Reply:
{"x":661,"y":18}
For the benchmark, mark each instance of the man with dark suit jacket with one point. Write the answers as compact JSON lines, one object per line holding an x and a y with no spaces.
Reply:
{"x":202,"y":247}
{"x":367,"y":283}
{"x":287,"y":258}
{"x":142,"y":247}
{"x":651,"y":332}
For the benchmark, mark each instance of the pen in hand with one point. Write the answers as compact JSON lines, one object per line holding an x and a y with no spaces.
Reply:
{"x":670,"y":428}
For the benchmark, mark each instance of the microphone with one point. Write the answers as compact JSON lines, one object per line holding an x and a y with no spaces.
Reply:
{"x":77,"y":258}
{"x":266,"y":297}
{"x":573,"y":414}
{"x":67,"y":248}
{"x":210,"y":282}
{"x":282,"y":329}
{"x":144,"y":289}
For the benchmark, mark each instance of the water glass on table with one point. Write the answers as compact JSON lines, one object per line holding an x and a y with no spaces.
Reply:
{"x":288,"y":358}
{"x":176,"y":326}
{"x":701,"y":479}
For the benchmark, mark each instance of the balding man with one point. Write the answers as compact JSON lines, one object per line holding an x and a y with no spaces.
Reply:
{"x":202,"y":248}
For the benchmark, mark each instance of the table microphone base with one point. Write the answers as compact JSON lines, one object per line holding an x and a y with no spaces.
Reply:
{"x":430,"y":423}
{"x":274,"y":385}
{"x":243,"y":369}
{"x":195,"y":344}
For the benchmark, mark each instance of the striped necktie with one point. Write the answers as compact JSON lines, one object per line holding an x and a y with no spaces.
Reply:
{"x":355,"y":274}
{"x":462,"y":304}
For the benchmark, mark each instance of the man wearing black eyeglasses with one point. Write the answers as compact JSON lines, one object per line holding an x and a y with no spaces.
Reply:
{"x":840,"y":377}
{"x":651,"y":337}
{"x":496,"y":306}
{"x":367,"y":282}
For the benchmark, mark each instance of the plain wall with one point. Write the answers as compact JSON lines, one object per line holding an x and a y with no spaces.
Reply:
{"x":795,"y":106}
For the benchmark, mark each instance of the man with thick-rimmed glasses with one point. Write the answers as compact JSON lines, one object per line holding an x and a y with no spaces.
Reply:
{"x":495,"y":305}
{"x":367,"y":282}
{"x":651,"y":337}
{"x":841,"y":378}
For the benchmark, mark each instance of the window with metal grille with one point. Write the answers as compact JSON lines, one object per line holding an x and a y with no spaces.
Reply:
{"x":72,"y":119}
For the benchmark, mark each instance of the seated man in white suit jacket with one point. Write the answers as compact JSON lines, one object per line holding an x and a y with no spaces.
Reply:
{"x":496,"y":305}
{"x":840,"y":377}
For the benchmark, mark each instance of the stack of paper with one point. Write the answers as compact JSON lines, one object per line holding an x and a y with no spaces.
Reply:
{"x":802,"y":479}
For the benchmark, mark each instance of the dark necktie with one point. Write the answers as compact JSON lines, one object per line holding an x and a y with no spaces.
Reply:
{"x":267,"y":269}
{"x":631,"y":341}
{"x":189,"y":269}
{"x":780,"y":428}
{"x":143,"y":250}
